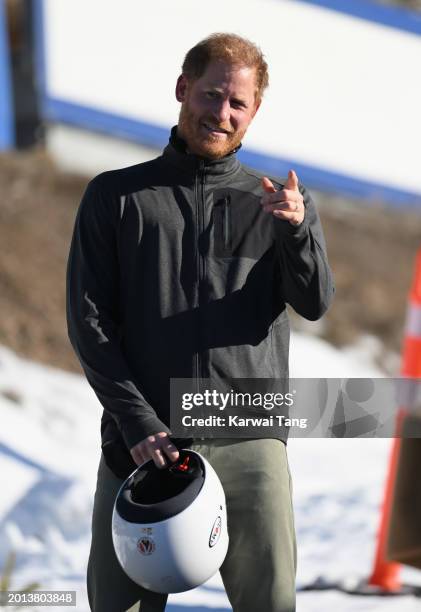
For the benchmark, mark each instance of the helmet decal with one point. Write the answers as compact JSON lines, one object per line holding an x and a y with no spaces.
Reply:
{"x":146,"y":546}
{"x":216,"y":532}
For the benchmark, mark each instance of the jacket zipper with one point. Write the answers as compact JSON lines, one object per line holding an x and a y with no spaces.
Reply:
{"x":202,"y":183}
{"x":200,"y":212}
{"x":200,"y":215}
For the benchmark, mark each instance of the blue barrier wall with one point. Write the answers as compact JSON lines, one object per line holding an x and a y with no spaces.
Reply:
{"x":7,"y":136}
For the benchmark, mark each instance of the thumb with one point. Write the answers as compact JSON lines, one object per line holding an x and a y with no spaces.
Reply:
{"x":292,"y":181}
{"x":268,"y":185}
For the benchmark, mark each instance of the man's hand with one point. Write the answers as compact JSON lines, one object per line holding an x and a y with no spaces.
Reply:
{"x":286,"y":204}
{"x":157,"y":447}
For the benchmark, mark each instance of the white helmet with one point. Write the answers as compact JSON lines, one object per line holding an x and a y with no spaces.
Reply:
{"x":169,"y":525}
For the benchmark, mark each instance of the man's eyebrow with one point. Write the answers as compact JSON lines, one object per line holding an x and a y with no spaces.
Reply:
{"x":215,"y":89}
{"x":239,"y":101}
{"x":220,"y":91}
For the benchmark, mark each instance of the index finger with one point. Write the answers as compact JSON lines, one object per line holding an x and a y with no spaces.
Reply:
{"x":170,"y":450}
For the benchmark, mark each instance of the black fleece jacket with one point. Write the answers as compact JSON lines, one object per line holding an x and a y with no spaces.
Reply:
{"x":175,"y":271}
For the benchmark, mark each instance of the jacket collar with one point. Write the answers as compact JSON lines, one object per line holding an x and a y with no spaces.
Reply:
{"x":175,"y":152}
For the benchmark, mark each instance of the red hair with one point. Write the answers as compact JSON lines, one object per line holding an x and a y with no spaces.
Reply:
{"x":229,"y":48}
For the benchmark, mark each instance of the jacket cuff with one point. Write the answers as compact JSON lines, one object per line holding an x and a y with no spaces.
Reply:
{"x":285,"y":228}
{"x":137,"y":429}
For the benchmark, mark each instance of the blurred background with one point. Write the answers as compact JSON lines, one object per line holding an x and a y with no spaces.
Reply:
{"x":89,"y":86}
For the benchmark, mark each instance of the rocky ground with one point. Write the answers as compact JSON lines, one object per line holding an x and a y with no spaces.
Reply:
{"x":371,"y":251}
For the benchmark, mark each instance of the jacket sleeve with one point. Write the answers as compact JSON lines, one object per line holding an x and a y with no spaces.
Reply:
{"x":305,"y":276}
{"x":93,"y":315}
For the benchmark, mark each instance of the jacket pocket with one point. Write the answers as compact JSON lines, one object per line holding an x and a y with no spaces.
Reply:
{"x":222,"y":217}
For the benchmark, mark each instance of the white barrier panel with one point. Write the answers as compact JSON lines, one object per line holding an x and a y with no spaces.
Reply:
{"x":343,"y":103}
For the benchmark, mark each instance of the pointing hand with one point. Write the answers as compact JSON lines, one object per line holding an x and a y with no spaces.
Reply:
{"x":286,"y":204}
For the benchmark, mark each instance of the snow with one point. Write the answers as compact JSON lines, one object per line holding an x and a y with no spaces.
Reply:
{"x":49,"y":450}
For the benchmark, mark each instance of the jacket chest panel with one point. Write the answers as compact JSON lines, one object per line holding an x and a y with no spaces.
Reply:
{"x":216,"y":222}
{"x":155,"y":222}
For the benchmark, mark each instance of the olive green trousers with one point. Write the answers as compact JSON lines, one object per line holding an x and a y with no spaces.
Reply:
{"x":259,"y":570}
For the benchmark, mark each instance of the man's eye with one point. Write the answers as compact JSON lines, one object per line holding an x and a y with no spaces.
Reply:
{"x":211,"y":94}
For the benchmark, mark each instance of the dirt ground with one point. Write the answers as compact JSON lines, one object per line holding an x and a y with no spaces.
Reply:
{"x":371,"y":251}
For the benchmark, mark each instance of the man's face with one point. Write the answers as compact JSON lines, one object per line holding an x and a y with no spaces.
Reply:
{"x":216,"y":109}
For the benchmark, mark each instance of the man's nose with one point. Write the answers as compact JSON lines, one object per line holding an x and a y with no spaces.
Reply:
{"x":222,"y":110}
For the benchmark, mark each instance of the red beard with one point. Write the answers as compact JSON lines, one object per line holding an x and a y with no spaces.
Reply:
{"x":203,"y":143}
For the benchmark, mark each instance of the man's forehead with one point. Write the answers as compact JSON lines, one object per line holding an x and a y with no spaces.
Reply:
{"x":221,"y":75}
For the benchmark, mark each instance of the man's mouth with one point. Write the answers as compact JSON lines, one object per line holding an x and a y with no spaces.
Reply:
{"x":213,"y":129}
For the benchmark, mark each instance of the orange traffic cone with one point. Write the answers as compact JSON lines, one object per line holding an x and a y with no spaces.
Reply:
{"x":386,"y":573}
{"x":411,"y":363}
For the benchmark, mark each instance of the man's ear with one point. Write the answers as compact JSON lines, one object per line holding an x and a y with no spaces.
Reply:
{"x":256,"y":108}
{"x":181,"y":88}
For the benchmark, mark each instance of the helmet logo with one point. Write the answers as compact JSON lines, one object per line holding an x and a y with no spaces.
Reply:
{"x":147,"y":530}
{"x":146,"y":546}
{"x":216,"y":532}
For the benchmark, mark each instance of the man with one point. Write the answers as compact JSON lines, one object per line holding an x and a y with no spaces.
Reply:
{"x":181,"y":268}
